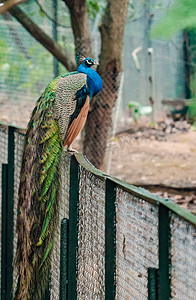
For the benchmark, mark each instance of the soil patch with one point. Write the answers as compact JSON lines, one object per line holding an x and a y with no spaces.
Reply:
{"x":161,"y":160}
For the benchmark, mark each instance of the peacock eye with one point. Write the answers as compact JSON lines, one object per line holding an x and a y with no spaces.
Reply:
{"x":89,"y":62}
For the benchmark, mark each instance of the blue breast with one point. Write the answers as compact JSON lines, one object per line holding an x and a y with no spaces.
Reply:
{"x":94,"y":81}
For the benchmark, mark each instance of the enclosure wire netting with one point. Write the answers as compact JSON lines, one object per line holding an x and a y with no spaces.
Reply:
{"x":26,"y":66}
{"x":183,"y":259}
{"x":3,"y":160}
{"x":18,"y":151}
{"x":63,"y":213}
{"x":91,"y":237}
{"x":23,"y":56}
{"x":136,"y":245}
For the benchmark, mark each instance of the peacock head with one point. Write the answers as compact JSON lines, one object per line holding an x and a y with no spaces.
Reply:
{"x":86,"y":62}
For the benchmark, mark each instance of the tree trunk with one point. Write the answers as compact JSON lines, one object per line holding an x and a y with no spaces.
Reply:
{"x":80,"y":26}
{"x":99,"y":118}
{"x":112,"y":35}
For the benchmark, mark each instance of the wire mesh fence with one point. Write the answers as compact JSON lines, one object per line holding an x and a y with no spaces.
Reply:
{"x":91,"y":237}
{"x":136,"y":243}
{"x":27,"y":67}
{"x":182,"y":259}
{"x":117,"y":235}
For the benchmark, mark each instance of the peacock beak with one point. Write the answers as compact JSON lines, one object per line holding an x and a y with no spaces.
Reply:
{"x":95,"y":62}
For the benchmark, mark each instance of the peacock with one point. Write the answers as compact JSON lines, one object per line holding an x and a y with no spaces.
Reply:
{"x":58,"y":117}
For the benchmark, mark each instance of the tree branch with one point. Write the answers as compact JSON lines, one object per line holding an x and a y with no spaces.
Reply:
{"x":7,"y":5}
{"x":60,"y":53}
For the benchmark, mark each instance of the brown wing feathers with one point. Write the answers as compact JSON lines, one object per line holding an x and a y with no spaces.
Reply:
{"x":77,"y":124}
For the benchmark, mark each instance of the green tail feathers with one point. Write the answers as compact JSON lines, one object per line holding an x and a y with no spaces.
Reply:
{"x":38,"y":198}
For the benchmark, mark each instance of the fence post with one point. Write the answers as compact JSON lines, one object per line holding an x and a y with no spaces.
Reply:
{"x":164,"y":284}
{"x":152,"y":283}
{"x":7,"y":220}
{"x":73,"y":230}
{"x":110,"y":240}
{"x":64,"y":259}
{"x":4,"y":231}
{"x":10,"y":208}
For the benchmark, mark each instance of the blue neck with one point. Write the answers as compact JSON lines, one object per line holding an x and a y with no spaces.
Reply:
{"x":94,"y":81}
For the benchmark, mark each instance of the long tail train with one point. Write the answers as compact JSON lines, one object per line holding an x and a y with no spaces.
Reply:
{"x":38,"y":195}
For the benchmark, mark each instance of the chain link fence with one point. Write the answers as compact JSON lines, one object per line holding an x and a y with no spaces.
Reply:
{"x":27,"y":67}
{"x":117,"y":235}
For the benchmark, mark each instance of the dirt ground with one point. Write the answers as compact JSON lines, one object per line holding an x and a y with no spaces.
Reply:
{"x":161,"y":159}
{"x":165,"y":167}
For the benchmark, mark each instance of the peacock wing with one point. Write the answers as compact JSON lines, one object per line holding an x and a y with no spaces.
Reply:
{"x":65,"y":103}
{"x":77,"y":123}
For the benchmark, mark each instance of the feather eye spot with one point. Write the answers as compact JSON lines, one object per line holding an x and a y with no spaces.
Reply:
{"x":43,"y":171}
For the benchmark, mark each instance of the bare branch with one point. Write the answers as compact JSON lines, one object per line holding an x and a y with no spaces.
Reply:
{"x":61,"y":54}
{"x":9,"y":4}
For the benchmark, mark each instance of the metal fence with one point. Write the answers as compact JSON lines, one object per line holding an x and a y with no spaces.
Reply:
{"x":114,"y":241}
{"x":27,"y":67}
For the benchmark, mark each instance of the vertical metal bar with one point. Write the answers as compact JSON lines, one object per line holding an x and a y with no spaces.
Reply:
{"x":164,"y":284}
{"x":10,"y":208}
{"x":64,"y":259}
{"x":55,"y":35}
{"x":73,"y":230}
{"x":110,"y":240}
{"x":4,"y":231}
{"x":152,"y":284}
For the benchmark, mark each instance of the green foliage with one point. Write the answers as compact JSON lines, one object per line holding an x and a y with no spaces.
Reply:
{"x":192,"y":105}
{"x":25,"y":76}
{"x":131,"y":10}
{"x":9,"y":65}
{"x":192,"y":112}
{"x":93,"y":8}
{"x":139,"y":110}
{"x":181,"y":16}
